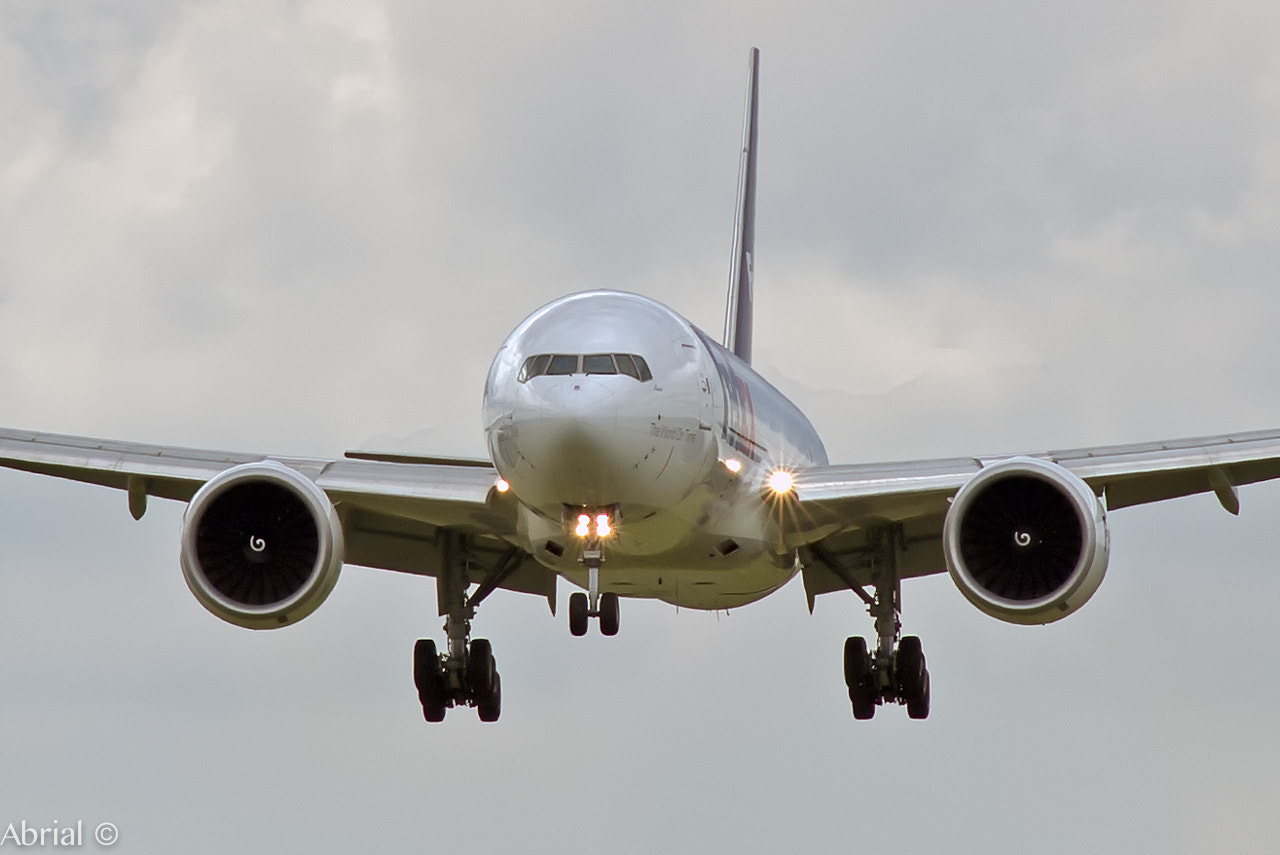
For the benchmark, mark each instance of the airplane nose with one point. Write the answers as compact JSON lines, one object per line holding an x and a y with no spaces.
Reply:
{"x":583,"y":402}
{"x":572,"y":439}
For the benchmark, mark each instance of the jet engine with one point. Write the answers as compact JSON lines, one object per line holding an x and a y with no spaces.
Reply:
{"x":1026,"y":541}
{"x":261,"y":545}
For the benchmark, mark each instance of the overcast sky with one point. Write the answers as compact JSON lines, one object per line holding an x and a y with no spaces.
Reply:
{"x":301,"y":227}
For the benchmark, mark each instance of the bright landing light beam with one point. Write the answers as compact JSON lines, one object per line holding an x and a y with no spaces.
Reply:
{"x":603,"y":525}
{"x":780,"y":482}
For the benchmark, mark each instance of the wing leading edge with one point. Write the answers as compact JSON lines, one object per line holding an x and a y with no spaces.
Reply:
{"x":392,"y":513}
{"x":840,"y":507}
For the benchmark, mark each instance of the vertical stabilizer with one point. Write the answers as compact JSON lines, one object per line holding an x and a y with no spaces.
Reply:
{"x":738,"y":313}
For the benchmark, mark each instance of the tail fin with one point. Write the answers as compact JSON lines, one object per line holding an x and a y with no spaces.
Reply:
{"x":738,"y":314}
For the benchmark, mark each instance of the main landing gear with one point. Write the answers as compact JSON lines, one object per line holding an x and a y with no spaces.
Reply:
{"x":905,"y":680}
{"x":583,"y":606}
{"x":442,"y":684}
{"x":895,"y":672}
{"x":466,"y":674}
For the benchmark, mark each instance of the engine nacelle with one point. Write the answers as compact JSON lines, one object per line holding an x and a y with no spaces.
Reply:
{"x":1026,"y":541}
{"x":261,"y":545}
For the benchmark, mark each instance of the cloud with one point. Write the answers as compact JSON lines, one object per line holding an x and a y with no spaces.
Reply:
{"x":299,"y":227}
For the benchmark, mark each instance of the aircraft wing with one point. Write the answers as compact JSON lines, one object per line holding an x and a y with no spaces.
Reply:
{"x":843,"y":505}
{"x":391,"y":511}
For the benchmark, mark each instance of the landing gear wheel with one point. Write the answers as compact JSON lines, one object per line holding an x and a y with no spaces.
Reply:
{"x":480,"y":669}
{"x":910,"y":669}
{"x":859,"y":676}
{"x":491,"y":707}
{"x":857,"y":662}
{"x":609,"y":616}
{"x":429,"y":680}
{"x":578,"y":613}
{"x":483,"y":682}
{"x":918,"y":707}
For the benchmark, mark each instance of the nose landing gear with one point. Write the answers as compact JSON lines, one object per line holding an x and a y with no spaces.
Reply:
{"x":580,"y":611}
{"x":583,"y":606}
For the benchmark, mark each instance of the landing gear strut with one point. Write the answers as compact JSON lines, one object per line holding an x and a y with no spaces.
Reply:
{"x":466,"y":674}
{"x":583,"y":606}
{"x":895,"y":672}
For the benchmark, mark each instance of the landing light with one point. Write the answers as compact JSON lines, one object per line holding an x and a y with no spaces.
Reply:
{"x":780,"y":481}
{"x":733,"y":465}
{"x":601,"y":525}
{"x":501,"y":485}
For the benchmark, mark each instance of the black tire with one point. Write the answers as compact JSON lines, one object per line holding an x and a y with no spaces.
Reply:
{"x":912,"y":677}
{"x":491,"y":707}
{"x":857,"y":662}
{"x":919,"y":707}
{"x":609,"y":614}
{"x":433,"y":712}
{"x":426,"y":663}
{"x":859,"y":676}
{"x":481,"y":670}
{"x":429,"y":680}
{"x":863,"y":700}
{"x":578,"y":613}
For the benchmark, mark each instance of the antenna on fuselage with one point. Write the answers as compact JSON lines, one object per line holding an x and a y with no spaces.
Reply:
{"x":738,"y":312}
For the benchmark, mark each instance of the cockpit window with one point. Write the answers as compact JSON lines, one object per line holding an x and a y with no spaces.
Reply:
{"x":643,"y":367}
{"x":533,"y":366}
{"x":598,"y":363}
{"x":563,"y":364}
{"x":626,"y":365}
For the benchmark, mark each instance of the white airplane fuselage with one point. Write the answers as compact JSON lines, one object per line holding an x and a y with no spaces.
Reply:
{"x":577,"y":426}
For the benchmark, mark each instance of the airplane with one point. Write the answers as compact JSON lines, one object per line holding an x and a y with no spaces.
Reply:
{"x":634,"y":456}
